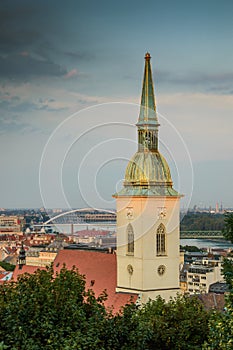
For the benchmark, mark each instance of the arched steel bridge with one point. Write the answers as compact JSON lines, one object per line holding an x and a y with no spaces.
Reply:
{"x":93,"y":215}
{"x":89,"y":216}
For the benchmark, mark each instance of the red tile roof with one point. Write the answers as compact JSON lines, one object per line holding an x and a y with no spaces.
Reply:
{"x":10,"y":250}
{"x":91,"y":233}
{"x":212,"y":301}
{"x":100,"y":268}
{"x":2,"y":275}
{"x":25,"y":269}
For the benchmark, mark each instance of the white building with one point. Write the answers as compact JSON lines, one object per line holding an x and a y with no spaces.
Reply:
{"x":202,"y":274}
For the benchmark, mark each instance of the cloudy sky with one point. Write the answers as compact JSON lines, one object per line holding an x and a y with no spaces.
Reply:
{"x":71,"y":76}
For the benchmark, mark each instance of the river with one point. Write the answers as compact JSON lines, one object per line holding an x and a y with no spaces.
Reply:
{"x":200,"y":243}
{"x":206,"y":243}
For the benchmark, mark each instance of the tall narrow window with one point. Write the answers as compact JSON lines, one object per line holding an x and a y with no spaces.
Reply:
{"x":161,"y":240}
{"x":130,"y":235}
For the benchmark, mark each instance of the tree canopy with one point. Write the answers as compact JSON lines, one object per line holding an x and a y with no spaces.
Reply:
{"x":202,"y":221}
{"x":54,"y":311}
{"x":228,"y":227}
{"x":220,"y":335}
{"x":181,"y":323}
{"x":43,"y":311}
{"x":7,"y":266}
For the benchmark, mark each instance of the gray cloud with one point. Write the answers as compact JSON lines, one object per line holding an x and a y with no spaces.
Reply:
{"x":16,"y":33}
{"x":24,"y":66}
{"x":15,"y":105}
{"x":11,"y":41}
{"x":220,"y":83}
{"x":35,"y":43}
{"x":78,"y":55}
{"x":13,"y":123}
{"x":221,"y":89}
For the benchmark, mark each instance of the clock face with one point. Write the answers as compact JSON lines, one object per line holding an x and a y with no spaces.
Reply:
{"x":130,"y":269}
{"x":129,"y":213}
{"x":162,"y":212}
{"x":161,"y":269}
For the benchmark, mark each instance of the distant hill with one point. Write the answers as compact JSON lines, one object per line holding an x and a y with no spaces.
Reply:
{"x":202,"y":221}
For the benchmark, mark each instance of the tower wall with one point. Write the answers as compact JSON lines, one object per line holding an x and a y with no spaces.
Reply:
{"x":144,"y":271}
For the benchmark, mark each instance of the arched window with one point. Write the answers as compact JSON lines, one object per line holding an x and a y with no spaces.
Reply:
{"x":130,"y":235}
{"x":161,"y":240}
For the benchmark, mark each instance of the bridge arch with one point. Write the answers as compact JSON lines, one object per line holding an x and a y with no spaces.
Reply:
{"x":77,"y":210}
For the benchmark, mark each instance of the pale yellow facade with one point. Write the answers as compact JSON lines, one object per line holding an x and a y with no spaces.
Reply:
{"x":44,"y":258}
{"x":11,"y":224}
{"x":145,"y":271}
{"x":183,"y":287}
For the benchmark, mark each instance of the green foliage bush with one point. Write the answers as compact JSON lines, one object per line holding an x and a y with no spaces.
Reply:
{"x":220,"y":334}
{"x":181,"y":323}
{"x":190,"y":248}
{"x":48,"y":311}
{"x":7,"y":266}
{"x":228,"y":227}
{"x":43,"y":311}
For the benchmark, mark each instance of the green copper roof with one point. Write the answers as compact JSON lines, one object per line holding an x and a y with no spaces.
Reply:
{"x":148,"y":168}
{"x":148,"y":107}
{"x":147,"y":173}
{"x":147,"y":192}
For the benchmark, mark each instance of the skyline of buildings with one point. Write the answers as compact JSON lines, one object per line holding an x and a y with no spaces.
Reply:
{"x":217,"y":207}
{"x":146,"y":261}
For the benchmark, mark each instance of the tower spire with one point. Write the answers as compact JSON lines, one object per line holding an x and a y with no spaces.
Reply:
{"x":148,"y":106}
{"x":148,"y":120}
{"x":22,"y":257}
{"x":148,"y":212}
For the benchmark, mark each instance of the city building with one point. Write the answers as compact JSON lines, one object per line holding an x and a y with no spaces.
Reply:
{"x":12,"y":224}
{"x":201,"y":274}
{"x":41,"y":258}
{"x":219,"y":288}
{"x":45,"y":256}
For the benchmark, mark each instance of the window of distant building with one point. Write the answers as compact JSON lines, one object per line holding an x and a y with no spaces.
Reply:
{"x":130,"y":235}
{"x":161,"y":240}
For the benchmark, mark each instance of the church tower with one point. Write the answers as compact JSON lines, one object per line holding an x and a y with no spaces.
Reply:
{"x":148,"y":212}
